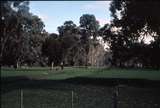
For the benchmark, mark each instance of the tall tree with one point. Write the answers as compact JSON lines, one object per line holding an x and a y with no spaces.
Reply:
{"x":135,"y":19}
{"x":52,"y":48}
{"x":22,"y":33}
{"x":89,"y":28}
{"x":89,"y":23}
{"x":35,"y":36}
{"x":12,"y":20}
{"x":69,"y":36}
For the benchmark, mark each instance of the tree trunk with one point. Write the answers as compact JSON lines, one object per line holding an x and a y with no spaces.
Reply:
{"x":86,"y":61}
{"x":52,"y":65}
{"x":17,"y":65}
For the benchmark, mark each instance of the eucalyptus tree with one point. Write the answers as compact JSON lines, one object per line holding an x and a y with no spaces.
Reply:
{"x":135,"y":21}
{"x":35,"y":35}
{"x":52,"y":48}
{"x":22,"y":33}
{"x":89,"y":28}
{"x":12,"y":21}
{"x":69,"y":37}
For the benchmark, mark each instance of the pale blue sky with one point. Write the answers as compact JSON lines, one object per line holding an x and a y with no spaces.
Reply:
{"x":55,"y":13}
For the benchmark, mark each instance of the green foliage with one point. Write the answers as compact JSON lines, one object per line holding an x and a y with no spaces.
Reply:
{"x":52,"y":48}
{"x":22,"y":34}
{"x":89,"y":28}
{"x":24,"y":40}
{"x":58,"y":47}
{"x":67,"y":28}
{"x":135,"y":20}
{"x":89,"y":24}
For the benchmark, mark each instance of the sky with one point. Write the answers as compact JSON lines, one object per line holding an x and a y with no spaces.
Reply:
{"x":55,"y":13}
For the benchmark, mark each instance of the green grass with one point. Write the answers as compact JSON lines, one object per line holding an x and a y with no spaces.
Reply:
{"x":84,"y":96}
{"x":69,"y":72}
{"x":8,"y":102}
{"x":50,"y":93}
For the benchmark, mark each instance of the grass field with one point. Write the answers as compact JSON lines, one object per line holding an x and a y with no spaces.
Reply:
{"x":70,"y":72}
{"x":80,"y":88}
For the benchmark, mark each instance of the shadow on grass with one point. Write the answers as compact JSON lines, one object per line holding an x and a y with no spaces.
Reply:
{"x":11,"y":83}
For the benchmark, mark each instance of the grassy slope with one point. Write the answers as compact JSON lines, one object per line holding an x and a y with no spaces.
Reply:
{"x":68,"y":72}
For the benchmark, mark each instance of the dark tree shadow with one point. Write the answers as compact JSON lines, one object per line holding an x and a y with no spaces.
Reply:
{"x":12,"y":83}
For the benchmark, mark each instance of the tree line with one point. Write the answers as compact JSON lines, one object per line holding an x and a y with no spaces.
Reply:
{"x":25,"y":41}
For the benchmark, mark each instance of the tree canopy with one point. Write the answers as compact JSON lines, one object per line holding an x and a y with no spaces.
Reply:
{"x":134,"y":20}
{"x":22,"y":33}
{"x":24,"y":39}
